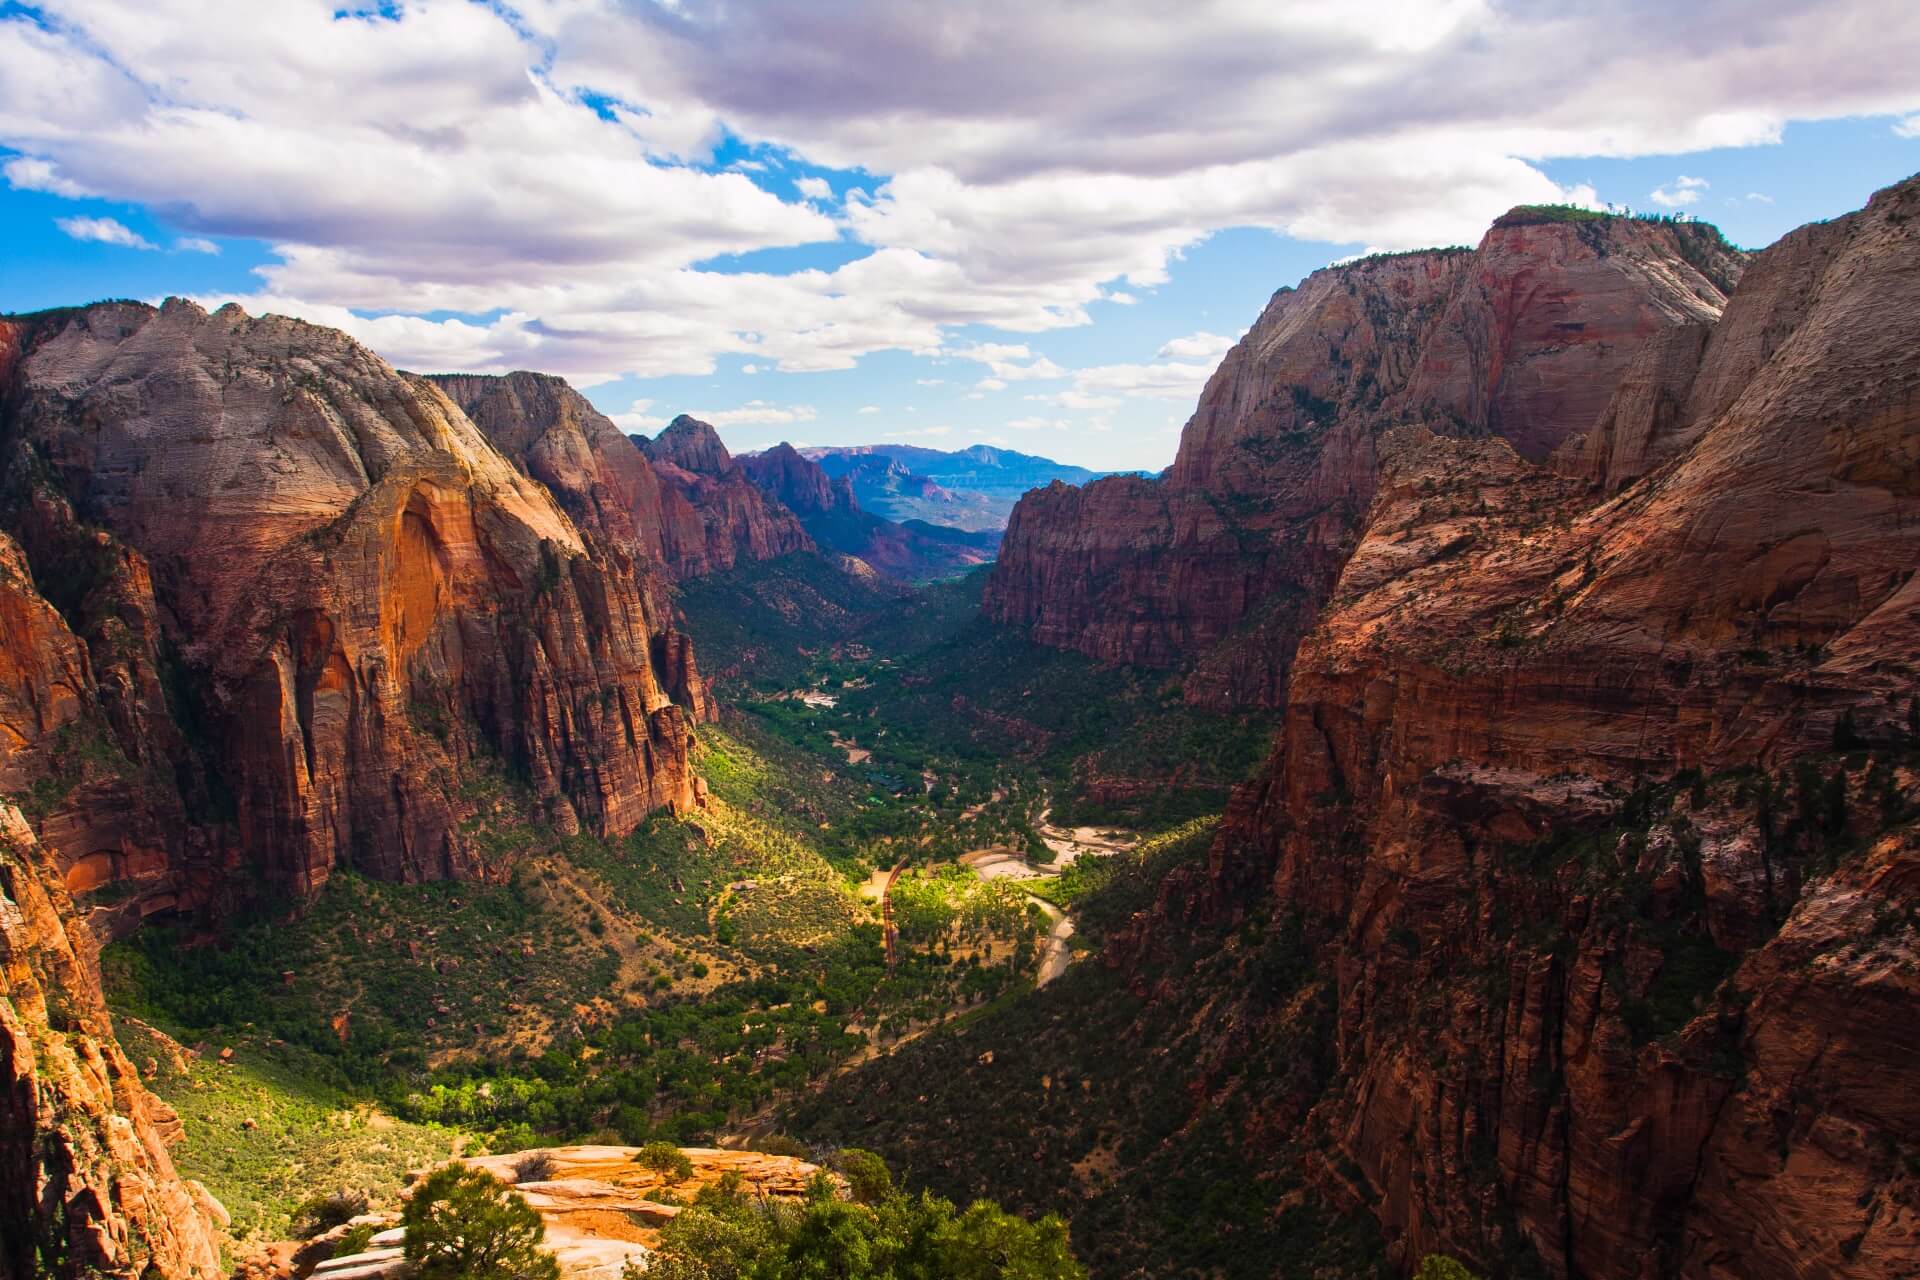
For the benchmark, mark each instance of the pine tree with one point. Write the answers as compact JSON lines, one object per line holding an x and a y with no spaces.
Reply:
{"x":465,"y":1224}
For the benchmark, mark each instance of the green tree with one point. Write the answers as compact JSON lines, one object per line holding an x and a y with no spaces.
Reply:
{"x":1438,"y":1266}
{"x":465,"y":1224}
{"x":866,"y":1174}
{"x":664,"y":1157}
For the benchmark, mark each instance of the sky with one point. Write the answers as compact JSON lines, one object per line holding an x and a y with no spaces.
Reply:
{"x":855,"y":221}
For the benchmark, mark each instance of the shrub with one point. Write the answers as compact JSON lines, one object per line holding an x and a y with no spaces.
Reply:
{"x":866,"y":1174}
{"x":535,"y":1166}
{"x":465,"y":1224}
{"x":1438,"y":1266}
{"x":325,"y":1212}
{"x":664,"y":1157}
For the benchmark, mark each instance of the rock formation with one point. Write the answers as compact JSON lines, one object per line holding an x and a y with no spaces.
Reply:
{"x":828,"y":509}
{"x":86,"y":1185}
{"x":1224,"y":561}
{"x":1628,"y":1029}
{"x":312,"y":594}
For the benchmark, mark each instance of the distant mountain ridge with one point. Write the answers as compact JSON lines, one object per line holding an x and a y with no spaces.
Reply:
{"x":974,"y":488}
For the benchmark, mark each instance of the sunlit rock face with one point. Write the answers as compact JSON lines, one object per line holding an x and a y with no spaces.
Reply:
{"x":318,"y":574}
{"x":1227,"y":557}
{"x":86,"y":1185}
{"x":1724,"y":583}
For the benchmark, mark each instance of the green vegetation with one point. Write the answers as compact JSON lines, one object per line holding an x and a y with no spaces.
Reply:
{"x":265,"y":1129}
{"x":465,"y":1224}
{"x":727,"y":1235}
{"x":664,"y":1157}
{"x":1183,"y":1169}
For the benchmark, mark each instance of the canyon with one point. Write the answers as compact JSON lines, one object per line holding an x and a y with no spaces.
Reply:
{"x":1542,"y":615}
{"x":1510,"y":598}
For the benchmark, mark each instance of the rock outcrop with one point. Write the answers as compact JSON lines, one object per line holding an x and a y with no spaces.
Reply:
{"x":602,"y":1210}
{"x":313,"y":580}
{"x":86,"y":1185}
{"x":1629,"y":1029}
{"x":713,"y":516}
{"x":1224,"y":561}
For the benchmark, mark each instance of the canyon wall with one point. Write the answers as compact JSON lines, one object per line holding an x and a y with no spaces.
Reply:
{"x":310,"y":595}
{"x":1597,"y":792}
{"x":1223,"y":562}
{"x":86,"y":1186}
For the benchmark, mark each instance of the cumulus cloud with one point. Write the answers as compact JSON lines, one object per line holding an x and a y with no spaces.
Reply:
{"x":104,"y":231}
{"x":757,"y":413}
{"x":1008,"y":362}
{"x":1680,"y":192}
{"x":1909,"y":127}
{"x":550,"y":165}
{"x":196,"y":244}
{"x":1196,"y":346}
{"x":869,"y":408}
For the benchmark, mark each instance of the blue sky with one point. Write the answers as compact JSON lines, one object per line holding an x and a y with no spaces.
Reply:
{"x":867,"y":254}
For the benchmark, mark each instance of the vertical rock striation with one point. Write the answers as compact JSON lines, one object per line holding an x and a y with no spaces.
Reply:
{"x":350,"y":593}
{"x":1224,"y":560}
{"x":1620,"y":1028}
{"x":86,"y":1185}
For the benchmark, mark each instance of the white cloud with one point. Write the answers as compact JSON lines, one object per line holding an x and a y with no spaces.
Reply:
{"x":1196,"y":346}
{"x":1039,"y":424}
{"x":1078,"y":400}
{"x":104,"y":231}
{"x":757,"y":413}
{"x":929,"y":382}
{"x":1680,"y":192}
{"x":450,"y":158}
{"x":639,"y":419}
{"x":1170,"y":380}
{"x":1009,"y":362}
{"x":1759,"y":197}
{"x":25,"y":173}
{"x":1909,"y":127}
{"x":869,"y":408}
{"x":196,"y":244}
{"x":989,"y":384}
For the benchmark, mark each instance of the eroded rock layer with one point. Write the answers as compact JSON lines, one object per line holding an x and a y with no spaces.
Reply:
{"x":312,"y":594}
{"x":1598,"y":794}
{"x":1224,"y":560}
{"x":86,"y":1185}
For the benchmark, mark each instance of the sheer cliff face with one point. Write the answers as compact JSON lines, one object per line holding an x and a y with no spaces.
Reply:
{"x":677,"y":500}
{"x":713,"y":516}
{"x":86,"y":1185}
{"x":353,"y":595}
{"x":1225,"y":560}
{"x":1533,"y":1046}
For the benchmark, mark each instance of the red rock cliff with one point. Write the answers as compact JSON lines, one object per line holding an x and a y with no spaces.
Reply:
{"x":1225,"y":559}
{"x":1632,"y":1031}
{"x":86,"y":1185}
{"x":357,"y":595}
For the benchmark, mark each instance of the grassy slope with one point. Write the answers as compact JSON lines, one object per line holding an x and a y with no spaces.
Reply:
{"x":1168,"y":1158}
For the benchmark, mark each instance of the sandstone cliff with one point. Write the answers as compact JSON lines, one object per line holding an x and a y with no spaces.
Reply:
{"x":1587,"y":1022}
{"x":86,"y":1185}
{"x":713,"y":516}
{"x":1224,"y":561}
{"x":314,"y":594}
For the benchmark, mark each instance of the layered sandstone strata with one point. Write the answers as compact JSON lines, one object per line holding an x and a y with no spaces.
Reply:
{"x":1224,"y":560}
{"x":352,"y":596}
